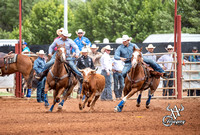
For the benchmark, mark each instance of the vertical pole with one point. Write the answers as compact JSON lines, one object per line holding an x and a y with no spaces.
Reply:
{"x":65,"y":15}
{"x":175,"y":25}
{"x":179,"y":58}
{"x":18,"y":90}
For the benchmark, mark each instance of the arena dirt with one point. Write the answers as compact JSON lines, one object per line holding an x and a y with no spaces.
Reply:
{"x":27,"y":117}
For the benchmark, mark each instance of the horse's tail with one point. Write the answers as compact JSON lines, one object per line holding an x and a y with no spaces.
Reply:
{"x":29,"y":81}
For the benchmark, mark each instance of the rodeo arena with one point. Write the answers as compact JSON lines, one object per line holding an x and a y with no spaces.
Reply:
{"x":155,"y":89}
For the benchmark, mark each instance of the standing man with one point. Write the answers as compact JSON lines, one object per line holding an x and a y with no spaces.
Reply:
{"x":68,"y":44}
{"x":39,"y":64}
{"x":117,"y":67}
{"x":124,"y":52}
{"x":95,"y":57}
{"x":81,"y":41}
{"x":168,"y":66}
{"x":106,"y":66}
{"x":25,"y":47}
{"x":194,"y":58}
{"x":150,"y":50}
{"x":84,"y":62}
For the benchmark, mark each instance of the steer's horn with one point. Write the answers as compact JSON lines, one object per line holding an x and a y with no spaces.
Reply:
{"x":81,"y":70}
{"x":182,"y":108}
{"x":168,"y":108}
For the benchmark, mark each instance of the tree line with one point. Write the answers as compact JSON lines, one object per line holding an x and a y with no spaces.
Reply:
{"x":99,"y":18}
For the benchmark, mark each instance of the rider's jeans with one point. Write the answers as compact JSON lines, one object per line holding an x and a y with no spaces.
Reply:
{"x":153,"y":64}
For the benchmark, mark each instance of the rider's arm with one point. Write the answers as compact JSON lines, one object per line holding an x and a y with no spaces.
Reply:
{"x":52,"y":46}
{"x":117,"y":54}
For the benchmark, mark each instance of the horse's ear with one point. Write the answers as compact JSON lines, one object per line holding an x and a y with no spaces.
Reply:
{"x":141,"y":49}
{"x":133,"y":48}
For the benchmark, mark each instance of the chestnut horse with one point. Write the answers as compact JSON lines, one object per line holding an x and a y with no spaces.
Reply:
{"x":17,"y":63}
{"x":59,"y":79}
{"x":138,"y":79}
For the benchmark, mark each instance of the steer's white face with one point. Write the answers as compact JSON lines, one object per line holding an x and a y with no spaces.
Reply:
{"x":134,"y":61}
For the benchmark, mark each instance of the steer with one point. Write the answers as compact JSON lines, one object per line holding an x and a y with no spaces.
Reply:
{"x":92,"y":87}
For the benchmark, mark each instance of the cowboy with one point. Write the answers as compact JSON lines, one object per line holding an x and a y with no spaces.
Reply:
{"x":95,"y":56}
{"x":124,"y":52}
{"x":81,"y":41}
{"x":84,"y":62}
{"x":106,"y":66}
{"x":167,"y":66}
{"x":59,"y":33}
{"x":150,"y":48}
{"x":39,"y":64}
{"x":68,"y":44}
{"x":25,"y":47}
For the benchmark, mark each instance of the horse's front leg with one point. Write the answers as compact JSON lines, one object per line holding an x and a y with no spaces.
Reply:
{"x":55,"y":93}
{"x":120,"y":106}
{"x":149,"y":98}
{"x":139,"y":99}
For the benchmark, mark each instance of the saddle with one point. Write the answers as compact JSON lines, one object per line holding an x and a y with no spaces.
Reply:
{"x":6,"y":59}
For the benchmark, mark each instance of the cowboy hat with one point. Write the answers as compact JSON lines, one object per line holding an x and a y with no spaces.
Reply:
{"x":80,"y":31}
{"x":94,"y":47}
{"x":65,"y":33}
{"x":150,"y":46}
{"x":106,"y":48}
{"x":126,"y":38}
{"x":59,"y":31}
{"x":40,"y":52}
{"x":84,"y":50}
{"x":169,"y":47}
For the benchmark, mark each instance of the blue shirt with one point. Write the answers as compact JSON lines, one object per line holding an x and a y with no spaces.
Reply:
{"x":125,"y":52}
{"x":39,"y":64}
{"x":80,"y":44}
{"x":68,"y":44}
{"x":193,"y":58}
{"x":26,"y":48}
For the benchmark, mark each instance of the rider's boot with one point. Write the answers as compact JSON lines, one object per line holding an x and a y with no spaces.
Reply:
{"x":165,"y":75}
{"x":41,"y":75}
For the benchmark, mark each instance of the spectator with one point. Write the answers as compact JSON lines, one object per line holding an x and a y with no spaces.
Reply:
{"x":167,"y":66}
{"x":25,"y":48}
{"x":194,"y":58}
{"x":84,"y":62}
{"x":39,"y":64}
{"x":81,"y":41}
{"x":106,"y":66}
{"x":95,"y":56}
{"x":150,"y":50}
{"x":117,"y":67}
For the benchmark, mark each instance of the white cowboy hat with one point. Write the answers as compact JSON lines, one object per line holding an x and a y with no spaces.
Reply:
{"x":126,"y":38}
{"x":40,"y":52}
{"x":94,"y":46}
{"x":84,"y":50}
{"x":65,"y":33}
{"x":106,"y":48}
{"x":80,"y":31}
{"x":59,"y":31}
{"x":169,"y":47}
{"x":150,"y":46}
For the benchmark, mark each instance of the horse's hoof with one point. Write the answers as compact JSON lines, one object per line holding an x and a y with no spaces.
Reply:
{"x":147,"y":106}
{"x":138,"y":105}
{"x":60,"y":107}
{"x":117,"y":109}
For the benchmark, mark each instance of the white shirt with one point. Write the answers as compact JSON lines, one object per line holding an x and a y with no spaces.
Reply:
{"x":166,"y":58}
{"x":153,"y":57}
{"x":118,"y":65}
{"x":106,"y":62}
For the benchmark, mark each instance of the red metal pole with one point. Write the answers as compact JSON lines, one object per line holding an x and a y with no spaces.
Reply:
{"x":179,"y":58}
{"x":18,"y":91}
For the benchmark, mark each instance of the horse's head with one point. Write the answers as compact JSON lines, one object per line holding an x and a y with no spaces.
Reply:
{"x":136,"y":57}
{"x":61,"y":52}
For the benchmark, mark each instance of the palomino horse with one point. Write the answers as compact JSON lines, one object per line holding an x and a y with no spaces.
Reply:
{"x":138,"y":79}
{"x":59,"y":79}
{"x":11,"y":63}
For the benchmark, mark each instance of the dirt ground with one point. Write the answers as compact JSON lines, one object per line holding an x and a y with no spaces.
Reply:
{"x":27,"y":117}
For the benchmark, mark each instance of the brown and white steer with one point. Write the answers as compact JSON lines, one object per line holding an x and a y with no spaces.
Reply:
{"x":92,"y":87}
